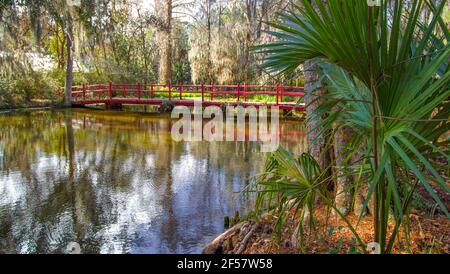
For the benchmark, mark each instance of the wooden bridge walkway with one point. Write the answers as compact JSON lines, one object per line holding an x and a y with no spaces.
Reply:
{"x":112,"y":94}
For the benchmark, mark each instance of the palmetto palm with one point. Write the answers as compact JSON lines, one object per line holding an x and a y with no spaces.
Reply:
{"x":289,"y":183}
{"x":388,"y":74}
{"x":293,"y":183}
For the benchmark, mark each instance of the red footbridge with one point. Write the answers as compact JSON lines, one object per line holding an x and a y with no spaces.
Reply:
{"x":115,"y":95}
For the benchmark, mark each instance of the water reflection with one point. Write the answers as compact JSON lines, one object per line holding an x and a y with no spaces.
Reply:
{"x":117,"y":183}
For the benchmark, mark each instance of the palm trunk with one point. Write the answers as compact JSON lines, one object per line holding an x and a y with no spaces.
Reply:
{"x":343,"y":182}
{"x":317,"y":143}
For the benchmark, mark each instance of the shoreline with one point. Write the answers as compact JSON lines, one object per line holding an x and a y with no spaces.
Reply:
{"x":332,"y":236}
{"x":31,"y":107}
{"x":290,"y":118}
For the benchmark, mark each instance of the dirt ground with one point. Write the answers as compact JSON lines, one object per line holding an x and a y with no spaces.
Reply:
{"x":429,"y":234}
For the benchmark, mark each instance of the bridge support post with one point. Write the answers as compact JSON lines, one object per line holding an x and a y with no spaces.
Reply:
{"x":139,"y":90}
{"x":287,"y":112}
{"x":203,"y":93}
{"x":170,"y":92}
{"x":281,"y":93}
{"x":84,"y":92}
{"x":245,"y":92}
{"x":166,"y":107}
{"x":110,"y":91}
{"x":278,"y":94}
{"x":238,"y":93}
{"x":113,"y":106}
{"x":181,"y":91}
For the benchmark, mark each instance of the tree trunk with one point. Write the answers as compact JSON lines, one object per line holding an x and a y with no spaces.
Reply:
{"x":69,"y":67}
{"x":316,"y":142}
{"x":165,"y":42}
{"x":343,"y":182}
{"x":209,"y":25}
{"x":71,"y":144}
{"x":362,"y":189}
{"x":313,"y":99}
{"x":343,"y":185}
{"x":360,"y":197}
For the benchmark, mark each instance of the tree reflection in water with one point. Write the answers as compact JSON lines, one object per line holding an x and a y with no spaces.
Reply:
{"x":117,"y":183}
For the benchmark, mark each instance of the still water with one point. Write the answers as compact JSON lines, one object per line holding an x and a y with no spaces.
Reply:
{"x":116,"y":182}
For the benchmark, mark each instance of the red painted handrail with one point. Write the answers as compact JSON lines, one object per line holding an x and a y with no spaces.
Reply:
{"x":141,"y":93}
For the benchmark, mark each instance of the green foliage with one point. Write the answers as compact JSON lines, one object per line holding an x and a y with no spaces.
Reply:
{"x":182,"y":73}
{"x":32,"y":89}
{"x":5,"y":96}
{"x":389,"y":82}
{"x":289,"y":183}
{"x":119,"y":42}
{"x":292,"y":185}
{"x":337,"y":248}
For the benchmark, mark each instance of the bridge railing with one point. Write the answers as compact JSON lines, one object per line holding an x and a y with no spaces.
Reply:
{"x":279,"y":94}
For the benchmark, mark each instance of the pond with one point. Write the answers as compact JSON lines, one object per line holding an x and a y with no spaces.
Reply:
{"x":116,"y":182}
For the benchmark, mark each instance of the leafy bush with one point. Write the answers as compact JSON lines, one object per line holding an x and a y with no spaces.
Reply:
{"x":32,"y":89}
